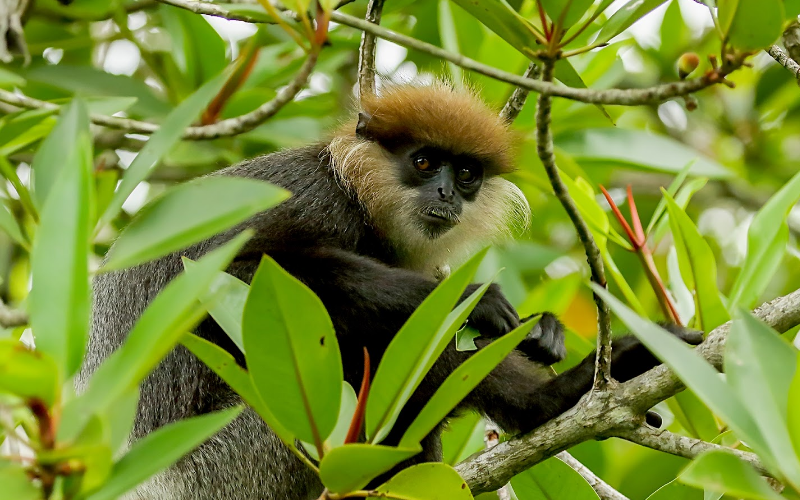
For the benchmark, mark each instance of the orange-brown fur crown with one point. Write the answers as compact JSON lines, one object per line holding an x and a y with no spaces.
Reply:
{"x":440,"y":115}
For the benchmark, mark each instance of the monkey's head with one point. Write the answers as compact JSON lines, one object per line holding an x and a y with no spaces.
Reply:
{"x":425,"y":163}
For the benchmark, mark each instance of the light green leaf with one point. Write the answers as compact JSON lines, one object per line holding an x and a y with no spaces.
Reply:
{"x":694,"y":371}
{"x":347,"y":409}
{"x":793,"y":410}
{"x":60,"y":297}
{"x":552,"y":479}
{"x":414,"y":349}
{"x":723,"y":472}
{"x":766,"y":245}
{"x":225,"y":302}
{"x":462,"y":437}
{"x":751,"y":24}
{"x":622,"y":19}
{"x":693,"y":415}
{"x":674,"y":490}
{"x":575,"y":9}
{"x":10,"y":226}
{"x":184,"y":216}
{"x":120,"y":418}
{"x":224,"y":365}
{"x":172,"y":313}
{"x":27,"y":373}
{"x":637,"y":149}
{"x":16,"y":484}
{"x":292,"y":353}
{"x":759,"y":366}
{"x":462,"y":381}
{"x":698,"y":268}
{"x":161,"y":142}
{"x":430,"y":481}
{"x":352,"y":466}
{"x":465,"y":339}
{"x":506,"y":22}
{"x":160,"y":449}
{"x":449,"y":36}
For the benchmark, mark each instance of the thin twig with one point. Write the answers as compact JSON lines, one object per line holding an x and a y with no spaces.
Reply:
{"x":12,"y":318}
{"x":603,"y":489}
{"x":224,"y":128}
{"x":366,"y":52}
{"x":784,"y":60}
{"x":491,"y":438}
{"x":544,"y":146}
{"x":517,"y":100}
{"x":623,"y":97}
{"x":683,"y":446}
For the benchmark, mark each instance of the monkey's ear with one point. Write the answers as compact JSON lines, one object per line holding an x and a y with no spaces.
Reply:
{"x":362,"y":130}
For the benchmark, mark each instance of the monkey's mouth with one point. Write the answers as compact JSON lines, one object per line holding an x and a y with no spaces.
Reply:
{"x":440,"y":216}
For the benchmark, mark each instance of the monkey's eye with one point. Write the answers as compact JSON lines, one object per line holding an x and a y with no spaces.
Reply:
{"x":465,"y":175}
{"x":422,"y":163}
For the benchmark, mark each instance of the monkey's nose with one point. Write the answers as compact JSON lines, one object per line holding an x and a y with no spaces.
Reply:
{"x":446,"y":194}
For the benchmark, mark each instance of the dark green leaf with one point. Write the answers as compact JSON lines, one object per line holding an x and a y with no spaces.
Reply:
{"x":751,"y":24}
{"x":350,"y":467}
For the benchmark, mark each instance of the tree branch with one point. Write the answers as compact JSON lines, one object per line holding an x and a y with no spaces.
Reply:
{"x":603,"y":490}
{"x":12,"y":318}
{"x":784,"y":60}
{"x":366,"y":52}
{"x":517,"y":99}
{"x":607,"y":413}
{"x":544,"y":146}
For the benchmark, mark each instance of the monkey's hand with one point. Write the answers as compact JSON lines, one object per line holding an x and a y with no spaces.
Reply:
{"x":630,"y":358}
{"x":494,"y":315}
{"x":545,"y":343}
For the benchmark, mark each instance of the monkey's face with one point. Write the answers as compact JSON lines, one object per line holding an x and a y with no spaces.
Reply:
{"x":444,"y":184}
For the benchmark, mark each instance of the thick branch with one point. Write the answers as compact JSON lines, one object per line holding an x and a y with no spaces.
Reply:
{"x":544,"y":146}
{"x":784,"y":60}
{"x":366,"y":52}
{"x":607,"y":413}
{"x":517,"y":100}
{"x":603,"y":490}
{"x":224,"y":128}
{"x":683,"y":446}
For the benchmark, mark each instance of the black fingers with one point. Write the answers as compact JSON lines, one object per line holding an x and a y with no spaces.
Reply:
{"x":630,"y":358}
{"x":545,"y":343}
{"x":494,"y":315}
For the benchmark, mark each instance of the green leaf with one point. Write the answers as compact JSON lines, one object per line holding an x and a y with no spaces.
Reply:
{"x":225,"y":302}
{"x":637,"y":149}
{"x":413,"y":350}
{"x":430,"y":481}
{"x":292,"y":353}
{"x":224,"y":365}
{"x":172,"y":313}
{"x":698,"y":268}
{"x":197,"y":49}
{"x":10,"y":226}
{"x":160,"y":449}
{"x":184,"y":216}
{"x":120,"y":417}
{"x":28,"y":374}
{"x":566,"y":73}
{"x":159,"y":144}
{"x":462,"y":381}
{"x":352,"y":466}
{"x":759,"y":366}
{"x":449,"y":36}
{"x":506,"y":22}
{"x":462,"y":437}
{"x":793,"y":410}
{"x":19,"y":130}
{"x":693,"y":370}
{"x":723,"y":472}
{"x":674,"y":490}
{"x":347,"y":409}
{"x":751,"y":24}
{"x":622,"y":19}
{"x":16,"y":483}
{"x":575,"y":9}
{"x":693,"y":415}
{"x":766,"y":244}
{"x":465,"y":339}
{"x":60,"y":297}
{"x":552,"y":479}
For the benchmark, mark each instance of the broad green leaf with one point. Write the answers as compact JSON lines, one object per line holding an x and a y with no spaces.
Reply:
{"x":413,"y":350}
{"x":19,"y":130}
{"x":637,"y":149}
{"x":292,"y":353}
{"x":352,"y":466}
{"x":120,"y":417}
{"x":794,"y":408}
{"x":184,"y":216}
{"x":759,"y":366}
{"x":16,"y":483}
{"x":27,"y":373}
{"x":224,"y":365}
{"x":197,"y":49}
{"x":569,"y":10}
{"x":462,"y":437}
{"x":160,"y":449}
{"x":682,"y":198}
{"x":506,"y":22}
{"x":462,"y":381}
{"x":723,"y":472}
{"x":674,"y":490}
{"x":10,"y":226}
{"x":60,"y":296}
{"x":566,"y":73}
{"x":792,"y":8}
{"x":465,"y":339}
{"x":172,"y":313}
{"x":693,"y":415}
{"x":622,"y":19}
{"x":751,"y":24}
{"x":347,"y":409}
{"x":225,"y":302}
{"x":168,"y":134}
{"x":693,"y":370}
{"x":552,"y":479}
{"x":429,"y":481}
{"x":698,"y":267}
{"x":766,"y":244}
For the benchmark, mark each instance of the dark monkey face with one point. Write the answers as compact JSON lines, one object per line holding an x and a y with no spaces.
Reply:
{"x":444,"y":185}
